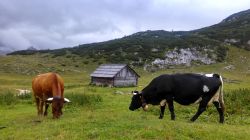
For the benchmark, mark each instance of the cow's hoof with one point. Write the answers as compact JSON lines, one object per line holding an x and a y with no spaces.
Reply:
{"x":192,"y":120}
{"x":221,"y":122}
{"x":160,"y":117}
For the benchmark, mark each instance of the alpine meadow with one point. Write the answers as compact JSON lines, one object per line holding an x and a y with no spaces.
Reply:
{"x":102,"y":112}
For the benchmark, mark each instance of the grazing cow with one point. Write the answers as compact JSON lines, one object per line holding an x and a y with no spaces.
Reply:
{"x":49,"y":88}
{"x":184,"y":89}
{"x":22,"y":92}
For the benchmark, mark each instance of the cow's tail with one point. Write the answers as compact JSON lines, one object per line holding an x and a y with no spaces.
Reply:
{"x":221,"y":100}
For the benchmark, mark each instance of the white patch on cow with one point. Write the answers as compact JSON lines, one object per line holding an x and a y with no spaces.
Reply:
{"x":163,"y":102}
{"x":218,"y":95}
{"x":205,"y":88}
{"x":209,"y":75}
{"x":215,"y":98}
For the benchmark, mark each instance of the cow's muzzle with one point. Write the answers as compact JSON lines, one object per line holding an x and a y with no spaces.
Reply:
{"x":145,"y":106}
{"x":131,"y":108}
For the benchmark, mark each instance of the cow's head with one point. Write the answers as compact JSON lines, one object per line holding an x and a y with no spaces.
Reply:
{"x":57,"y":105}
{"x":137,"y":101}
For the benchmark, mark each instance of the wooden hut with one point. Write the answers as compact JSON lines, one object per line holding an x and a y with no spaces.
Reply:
{"x":118,"y":75}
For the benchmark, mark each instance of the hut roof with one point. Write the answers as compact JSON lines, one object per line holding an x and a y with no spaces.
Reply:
{"x":109,"y":70}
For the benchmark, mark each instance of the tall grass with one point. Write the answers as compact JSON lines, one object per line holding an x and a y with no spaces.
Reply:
{"x":237,"y":101}
{"x":78,"y":99}
{"x":9,"y":98}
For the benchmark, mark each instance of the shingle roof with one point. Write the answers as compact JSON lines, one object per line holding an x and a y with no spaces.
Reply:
{"x":108,"y":70}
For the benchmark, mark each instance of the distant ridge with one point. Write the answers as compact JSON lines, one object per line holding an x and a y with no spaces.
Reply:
{"x":31,"y":48}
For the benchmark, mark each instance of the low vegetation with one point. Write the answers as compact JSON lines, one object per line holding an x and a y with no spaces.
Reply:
{"x":84,"y":99}
{"x":8,"y":98}
{"x":102,"y":113}
{"x":237,"y":102}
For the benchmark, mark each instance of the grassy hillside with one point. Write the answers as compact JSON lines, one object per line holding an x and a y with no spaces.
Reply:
{"x":140,"y":48}
{"x":236,"y":27}
{"x":99,"y":113}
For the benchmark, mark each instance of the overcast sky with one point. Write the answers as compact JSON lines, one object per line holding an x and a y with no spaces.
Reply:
{"x":50,"y":24}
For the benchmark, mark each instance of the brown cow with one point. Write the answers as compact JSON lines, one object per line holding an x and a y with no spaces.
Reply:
{"x":49,"y":88}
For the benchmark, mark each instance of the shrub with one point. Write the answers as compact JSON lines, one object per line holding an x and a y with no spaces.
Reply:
{"x":58,"y":52}
{"x":86,"y":62}
{"x":25,"y":97}
{"x":237,"y":101}
{"x":221,"y":53}
{"x":7,"y":98}
{"x":78,"y":99}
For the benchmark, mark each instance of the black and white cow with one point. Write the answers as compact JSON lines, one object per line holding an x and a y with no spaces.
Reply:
{"x":184,"y":89}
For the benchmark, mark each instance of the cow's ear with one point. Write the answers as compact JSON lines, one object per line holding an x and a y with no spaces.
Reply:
{"x":49,"y":100}
{"x":66,"y":100}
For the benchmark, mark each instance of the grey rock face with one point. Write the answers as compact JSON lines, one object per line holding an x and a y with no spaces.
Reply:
{"x":185,"y":57}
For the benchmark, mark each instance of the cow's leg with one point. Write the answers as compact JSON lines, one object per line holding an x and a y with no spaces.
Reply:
{"x":46,"y":109}
{"x":41,"y":107}
{"x":202,"y":108}
{"x":219,"y":109}
{"x":171,"y":108}
{"x":46,"y":105}
{"x":38,"y":106}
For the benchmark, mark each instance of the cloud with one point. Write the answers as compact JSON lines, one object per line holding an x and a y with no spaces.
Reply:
{"x":13,"y":39}
{"x":51,"y":24}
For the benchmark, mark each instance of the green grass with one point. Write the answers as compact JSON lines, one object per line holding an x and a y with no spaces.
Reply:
{"x":111,"y":119}
{"x":8,"y":98}
{"x":99,"y":113}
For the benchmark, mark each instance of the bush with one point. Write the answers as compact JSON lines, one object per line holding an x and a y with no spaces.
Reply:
{"x":86,"y":62}
{"x":83,"y":99}
{"x":25,"y":97}
{"x":7,"y":98}
{"x":221,"y":53}
{"x":237,"y":101}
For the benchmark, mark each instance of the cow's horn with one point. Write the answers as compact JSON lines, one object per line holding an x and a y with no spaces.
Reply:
{"x":50,"y":99}
{"x":136,"y":92}
{"x":66,"y":100}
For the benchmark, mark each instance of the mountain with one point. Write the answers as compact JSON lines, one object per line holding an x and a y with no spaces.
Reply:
{"x":4,"y":50}
{"x":234,"y":29}
{"x":163,"y":48}
{"x":31,"y":48}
